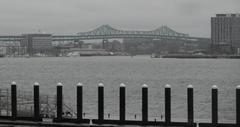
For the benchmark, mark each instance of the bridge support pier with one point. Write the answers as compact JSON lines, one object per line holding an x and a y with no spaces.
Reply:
{"x":78,"y":43}
{"x":105,"y":44}
{"x":157,"y":47}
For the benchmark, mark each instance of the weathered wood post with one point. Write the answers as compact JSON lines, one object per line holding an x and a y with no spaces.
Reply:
{"x":14,"y":100}
{"x":238,"y":105}
{"x":100,"y":102}
{"x":168,"y":104}
{"x":59,"y":100}
{"x":144,"y":103}
{"x":214,"y":104}
{"x":190,"y":104}
{"x":79,"y":100}
{"x":36,"y":101}
{"x":122,"y":102}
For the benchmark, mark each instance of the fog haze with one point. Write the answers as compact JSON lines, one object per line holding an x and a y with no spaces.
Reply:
{"x":72,"y":16}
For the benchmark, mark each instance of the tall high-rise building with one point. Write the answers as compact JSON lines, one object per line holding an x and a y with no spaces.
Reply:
{"x":225,"y":33}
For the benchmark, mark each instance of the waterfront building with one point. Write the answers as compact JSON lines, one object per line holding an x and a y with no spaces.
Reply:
{"x":225,"y":33}
{"x":87,"y":46}
{"x":137,"y":45}
{"x":115,"y":46}
{"x":87,"y":52}
{"x":37,"y":43}
{"x":3,"y":51}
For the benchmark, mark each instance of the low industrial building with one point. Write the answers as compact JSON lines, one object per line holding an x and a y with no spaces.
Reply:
{"x":88,"y":52}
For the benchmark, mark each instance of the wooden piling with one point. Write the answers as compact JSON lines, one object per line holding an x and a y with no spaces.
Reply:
{"x":100,"y":102}
{"x":122,"y":104}
{"x":214,"y":104}
{"x":14,"y":100}
{"x":190,"y":104}
{"x":144,"y":104}
{"x":59,"y":101}
{"x":168,"y":104}
{"x":79,"y":101}
{"x":36,"y":101}
{"x":238,"y":105}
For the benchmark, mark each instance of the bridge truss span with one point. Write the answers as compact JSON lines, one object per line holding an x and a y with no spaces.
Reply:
{"x":106,"y":30}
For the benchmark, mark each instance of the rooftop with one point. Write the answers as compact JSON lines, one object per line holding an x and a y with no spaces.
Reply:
{"x":228,"y":15}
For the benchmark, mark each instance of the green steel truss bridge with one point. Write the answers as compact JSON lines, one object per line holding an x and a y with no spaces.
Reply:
{"x":107,"y":32}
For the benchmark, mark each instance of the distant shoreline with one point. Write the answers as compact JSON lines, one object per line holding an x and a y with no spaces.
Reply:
{"x":199,"y":56}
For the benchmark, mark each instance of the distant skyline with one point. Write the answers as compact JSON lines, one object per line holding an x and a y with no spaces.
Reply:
{"x":73,"y":16}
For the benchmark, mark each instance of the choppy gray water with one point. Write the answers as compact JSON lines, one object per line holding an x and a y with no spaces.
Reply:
{"x":202,"y":73}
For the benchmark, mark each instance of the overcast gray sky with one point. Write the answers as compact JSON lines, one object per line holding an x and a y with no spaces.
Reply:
{"x":72,"y":16}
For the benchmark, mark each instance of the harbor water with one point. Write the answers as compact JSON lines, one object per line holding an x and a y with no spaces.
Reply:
{"x":134,"y":72}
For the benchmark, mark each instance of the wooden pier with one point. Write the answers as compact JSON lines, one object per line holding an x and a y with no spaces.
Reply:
{"x":59,"y":120}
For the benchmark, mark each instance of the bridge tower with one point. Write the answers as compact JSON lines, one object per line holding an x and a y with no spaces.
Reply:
{"x":157,"y":47}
